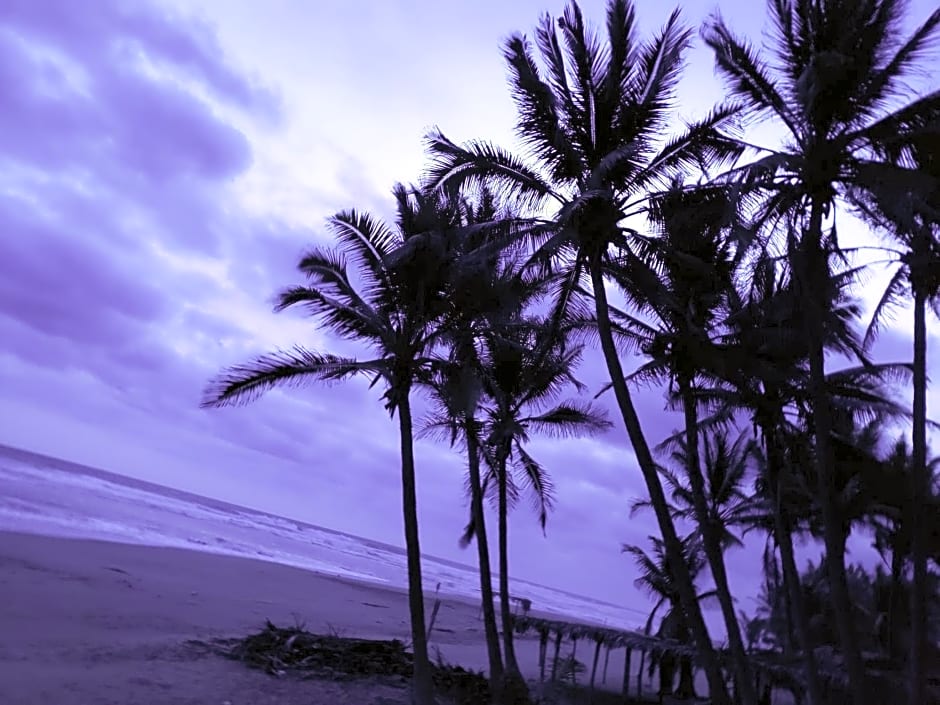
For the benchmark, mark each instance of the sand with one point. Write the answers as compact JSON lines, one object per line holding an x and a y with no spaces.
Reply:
{"x":96,"y":623}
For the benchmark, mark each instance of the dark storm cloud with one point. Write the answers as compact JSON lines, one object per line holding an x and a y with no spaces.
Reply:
{"x":107,"y":104}
{"x":113,"y":151}
{"x":116,"y":30}
{"x":64,"y":284}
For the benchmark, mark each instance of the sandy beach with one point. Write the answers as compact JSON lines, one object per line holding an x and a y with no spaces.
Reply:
{"x":98,"y":623}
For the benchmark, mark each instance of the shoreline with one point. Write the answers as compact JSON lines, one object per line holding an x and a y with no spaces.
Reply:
{"x":544,"y":597}
{"x":90,"y":621}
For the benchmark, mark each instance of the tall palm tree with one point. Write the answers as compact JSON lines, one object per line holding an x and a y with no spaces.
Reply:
{"x":759,"y":369}
{"x":390,"y":311}
{"x":677,"y":280}
{"x":837,"y":64}
{"x":527,"y":369}
{"x":912,"y":217}
{"x":484,"y":295}
{"x":596,"y":125}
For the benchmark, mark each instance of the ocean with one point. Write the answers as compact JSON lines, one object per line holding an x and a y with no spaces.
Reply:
{"x":48,"y":496}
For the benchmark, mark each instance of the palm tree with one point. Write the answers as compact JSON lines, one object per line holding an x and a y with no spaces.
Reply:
{"x":913,"y":218}
{"x":596,"y":125}
{"x":527,"y":368}
{"x":657,"y":577}
{"x":457,"y":393}
{"x":677,"y":280}
{"x":484,"y":295}
{"x":838,"y":63}
{"x":891,"y":521}
{"x":772,"y":625}
{"x":759,"y":369}
{"x":725,"y":467}
{"x":390,"y":311}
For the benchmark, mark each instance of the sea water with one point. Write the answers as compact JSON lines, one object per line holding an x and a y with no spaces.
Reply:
{"x":47,"y":496}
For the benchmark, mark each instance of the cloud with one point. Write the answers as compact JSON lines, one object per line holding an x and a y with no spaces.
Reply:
{"x":121,"y":136}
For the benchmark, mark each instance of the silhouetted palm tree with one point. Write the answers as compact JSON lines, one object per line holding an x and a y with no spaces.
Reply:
{"x":658,"y":579}
{"x":760,"y":369}
{"x":891,"y":519}
{"x":677,"y":280}
{"x":596,"y":128}
{"x":527,"y":368}
{"x":457,"y":392}
{"x":484,"y":295}
{"x":726,"y":465}
{"x":390,"y":311}
{"x":838,"y":63}
{"x":912,"y":217}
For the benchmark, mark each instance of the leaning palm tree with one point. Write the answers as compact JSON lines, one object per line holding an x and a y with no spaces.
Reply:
{"x":390,"y":311}
{"x":837,"y":65}
{"x":596,"y":124}
{"x":678,"y":281}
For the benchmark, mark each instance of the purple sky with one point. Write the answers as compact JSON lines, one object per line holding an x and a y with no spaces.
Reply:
{"x":163,"y":164}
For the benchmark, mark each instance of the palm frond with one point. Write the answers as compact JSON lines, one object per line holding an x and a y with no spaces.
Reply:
{"x":540,"y":486}
{"x":568,"y":420}
{"x":353,"y":320}
{"x":747,"y":75}
{"x":455,"y":168}
{"x":538,"y":122}
{"x":241,"y":384}
{"x":366,"y":240}
{"x":891,"y":298}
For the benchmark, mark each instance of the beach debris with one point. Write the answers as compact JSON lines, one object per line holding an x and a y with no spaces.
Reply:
{"x":280,"y":650}
{"x":276,"y":650}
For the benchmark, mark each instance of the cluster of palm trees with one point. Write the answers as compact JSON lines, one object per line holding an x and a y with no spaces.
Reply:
{"x":710,"y":264}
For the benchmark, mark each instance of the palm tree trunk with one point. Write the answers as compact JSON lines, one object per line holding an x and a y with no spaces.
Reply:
{"x":812,"y":274}
{"x":791,"y":576}
{"x":711,"y":538}
{"x":686,"y":689}
{"x":483,"y":553}
{"x":626,"y":672}
{"x":512,"y":666}
{"x":920,"y":486}
{"x":422,"y":688}
{"x":543,"y":653}
{"x":894,"y":598}
{"x":515,"y":688}
{"x":690,"y":604}
{"x":558,"y":636}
